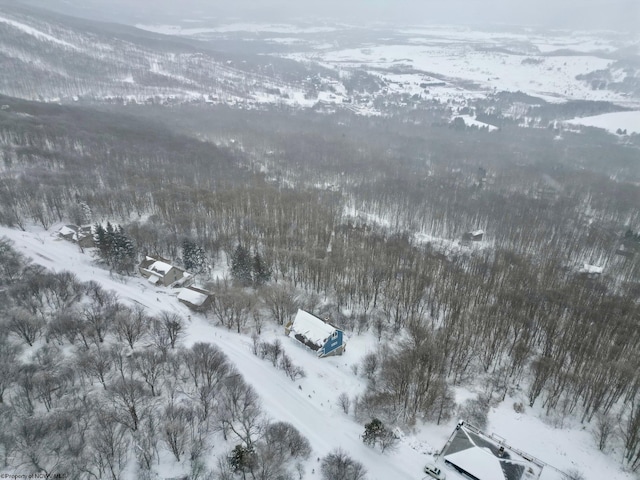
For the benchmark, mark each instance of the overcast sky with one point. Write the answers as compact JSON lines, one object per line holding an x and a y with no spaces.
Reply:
{"x":610,"y":14}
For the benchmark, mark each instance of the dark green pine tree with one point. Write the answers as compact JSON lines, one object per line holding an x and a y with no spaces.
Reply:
{"x":110,"y":233}
{"x":261,"y":271}
{"x":123,"y":252}
{"x":104,"y":241}
{"x":193,"y":256}
{"x":373,"y":431}
{"x":241,"y":267}
{"x":241,"y":459}
{"x":187,"y":254}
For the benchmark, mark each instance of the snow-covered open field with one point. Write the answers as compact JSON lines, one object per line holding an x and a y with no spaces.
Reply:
{"x":612,"y":122}
{"x":469,"y":61}
{"x":552,"y":79}
{"x":310,"y":403}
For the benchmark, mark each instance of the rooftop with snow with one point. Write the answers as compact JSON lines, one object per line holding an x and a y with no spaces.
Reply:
{"x":484,"y":457}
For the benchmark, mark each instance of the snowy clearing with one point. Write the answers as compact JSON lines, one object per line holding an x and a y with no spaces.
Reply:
{"x":629,"y":121}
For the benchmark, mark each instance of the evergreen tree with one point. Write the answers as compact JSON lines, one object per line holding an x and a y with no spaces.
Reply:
{"x":376,"y":433}
{"x":101,"y":241}
{"x":187,"y":254}
{"x":109,"y":236}
{"x":115,"y":248}
{"x":261,"y":271}
{"x":193,"y":256}
{"x":241,"y":268}
{"x":373,"y":431}
{"x":123,"y":252}
{"x":242,"y":459}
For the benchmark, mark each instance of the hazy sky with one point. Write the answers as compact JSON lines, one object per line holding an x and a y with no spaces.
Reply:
{"x":611,"y":14}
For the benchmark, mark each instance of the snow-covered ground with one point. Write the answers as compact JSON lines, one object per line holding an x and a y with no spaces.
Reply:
{"x":552,"y":78}
{"x":470,"y":121}
{"x":310,"y":403}
{"x":612,"y":122}
{"x":470,"y":61}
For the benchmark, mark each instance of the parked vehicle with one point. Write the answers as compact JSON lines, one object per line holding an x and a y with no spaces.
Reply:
{"x":434,"y":471}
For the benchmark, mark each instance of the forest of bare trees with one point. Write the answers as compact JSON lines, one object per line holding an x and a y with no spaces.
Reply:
{"x":111,"y":385}
{"x":517,"y":313}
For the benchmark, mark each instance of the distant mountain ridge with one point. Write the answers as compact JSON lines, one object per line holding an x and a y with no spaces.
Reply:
{"x":52,"y":57}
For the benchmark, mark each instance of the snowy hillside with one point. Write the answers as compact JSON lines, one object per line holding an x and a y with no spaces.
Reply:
{"x":310,"y":403}
{"x":55,"y":58}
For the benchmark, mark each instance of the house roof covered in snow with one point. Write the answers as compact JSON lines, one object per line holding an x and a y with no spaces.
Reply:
{"x":193,"y":296}
{"x":312,"y":328}
{"x":159,"y":266}
{"x":482,"y":464}
{"x":594,"y":269}
{"x":68,"y":230}
{"x":486,"y":458}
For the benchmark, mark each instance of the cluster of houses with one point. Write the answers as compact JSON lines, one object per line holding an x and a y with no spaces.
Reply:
{"x":82,"y":235}
{"x":316,"y":334}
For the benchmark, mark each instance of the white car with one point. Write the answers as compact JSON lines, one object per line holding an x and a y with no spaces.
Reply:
{"x":434,"y":471}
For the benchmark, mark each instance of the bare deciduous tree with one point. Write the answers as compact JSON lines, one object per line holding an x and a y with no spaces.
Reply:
{"x":175,"y":427}
{"x":239,"y":409}
{"x":130,"y":401}
{"x":9,"y":360}
{"x":131,"y":325}
{"x":150,"y":365}
{"x":25,"y":325}
{"x":281,"y":303}
{"x":109,"y":445}
{"x":604,"y":428}
{"x":293,"y":371}
{"x":344,"y":402}
{"x":337,"y":465}
{"x":232,"y":306}
{"x":167,"y":330}
{"x":95,"y":364}
{"x":287,"y":440}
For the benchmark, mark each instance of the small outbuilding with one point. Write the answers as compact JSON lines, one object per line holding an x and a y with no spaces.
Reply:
{"x":316,"y":334}
{"x":195,"y":298}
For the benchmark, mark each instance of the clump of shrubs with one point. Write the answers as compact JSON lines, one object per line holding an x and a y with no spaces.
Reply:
{"x":274,"y":352}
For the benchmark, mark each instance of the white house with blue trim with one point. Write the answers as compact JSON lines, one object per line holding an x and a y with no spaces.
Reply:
{"x":316,"y":334}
